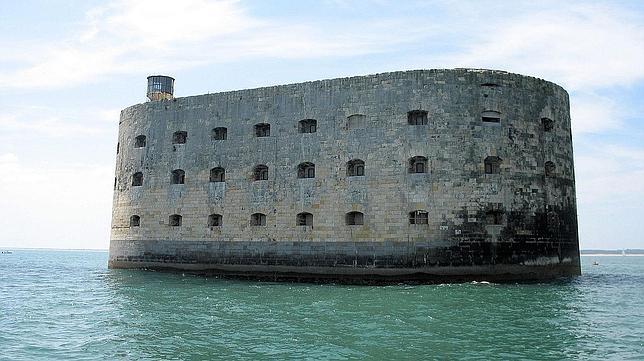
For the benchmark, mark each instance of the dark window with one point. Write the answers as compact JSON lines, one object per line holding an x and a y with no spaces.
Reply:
{"x":308,"y":126}
{"x":118,"y":145}
{"x":114,"y":183}
{"x":215,"y":220}
{"x":547,"y":124}
{"x":354,"y":219}
{"x":260,"y":172}
{"x":491,"y":116}
{"x":550,"y":168}
{"x":139,"y":141}
{"x":494,"y":217}
{"x":418,"y":217}
{"x":492,"y":165}
{"x":417,"y":117}
{"x":137,"y":179}
{"x":356,"y":121}
{"x":355,"y":167}
{"x":179,"y":137}
{"x":493,"y":85}
{"x":417,"y":165}
{"x":175,"y":220}
{"x":305,"y":219}
{"x":258,"y":219}
{"x":135,"y":221}
{"x":306,"y":170}
{"x":218,"y":174}
{"x":220,"y":133}
{"x":178,"y":176}
{"x":262,"y":130}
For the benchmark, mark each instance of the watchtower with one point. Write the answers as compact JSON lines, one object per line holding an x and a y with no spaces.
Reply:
{"x":160,"y":87}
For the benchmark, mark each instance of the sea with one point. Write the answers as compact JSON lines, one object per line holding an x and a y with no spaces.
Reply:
{"x":66,"y":305}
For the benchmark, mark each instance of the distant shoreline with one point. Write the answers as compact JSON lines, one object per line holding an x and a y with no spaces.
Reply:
{"x":583,"y":252}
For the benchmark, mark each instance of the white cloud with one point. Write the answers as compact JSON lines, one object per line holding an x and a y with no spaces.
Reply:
{"x":591,"y":113}
{"x":126,"y":37}
{"x":45,"y":205}
{"x":49,"y":122}
{"x":577,"y":45}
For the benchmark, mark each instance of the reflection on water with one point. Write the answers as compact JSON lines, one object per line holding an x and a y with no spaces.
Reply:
{"x":68,"y":305}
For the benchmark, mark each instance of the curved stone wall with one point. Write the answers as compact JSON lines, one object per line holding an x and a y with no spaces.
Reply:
{"x":512,"y":217}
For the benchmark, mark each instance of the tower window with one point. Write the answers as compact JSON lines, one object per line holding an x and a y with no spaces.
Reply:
{"x":308,"y":126}
{"x":547,"y":124}
{"x":220,"y":133}
{"x":550,"y":169}
{"x":356,"y":121}
{"x":491,"y":116}
{"x":260,"y":172}
{"x":306,"y":170}
{"x":135,"y":221}
{"x":179,"y":137}
{"x":417,"y":117}
{"x":258,"y":219}
{"x":175,"y":220}
{"x":215,"y":220}
{"x":418,"y":217}
{"x":262,"y":130}
{"x":417,"y":164}
{"x":139,"y":141}
{"x":492,"y":165}
{"x":305,"y":219}
{"x":354,"y":219}
{"x":355,"y":167}
{"x":494,"y":217}
{"x":178,"y":176}
{"x":137,"y":179}
{"x":218,"y":174}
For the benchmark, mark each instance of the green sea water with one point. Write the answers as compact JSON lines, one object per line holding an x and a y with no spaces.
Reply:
{"x":66,"y":305}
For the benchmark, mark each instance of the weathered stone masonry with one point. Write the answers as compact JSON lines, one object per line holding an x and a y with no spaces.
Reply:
{"x":494,"y":196}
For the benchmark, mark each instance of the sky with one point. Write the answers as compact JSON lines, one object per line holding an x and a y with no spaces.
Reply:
{"x":68,"y":67}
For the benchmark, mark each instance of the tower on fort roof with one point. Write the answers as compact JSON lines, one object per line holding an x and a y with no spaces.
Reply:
{"x":160,"y":87}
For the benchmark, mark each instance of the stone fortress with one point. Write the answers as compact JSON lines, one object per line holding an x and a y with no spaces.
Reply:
{"x":419,"y":176}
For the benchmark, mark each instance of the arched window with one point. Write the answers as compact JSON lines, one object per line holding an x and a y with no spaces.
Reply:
{"x":175,"y":220}
{"x":260,"y":172}
{"x":547,"y":124}
{"x":137,"y":179}
{"x":179,"y":137}
{"x":354,"y":218}
{"x":306,"y":170}
{"x":417,"y":164}
{"x":494,"y":217}
{"x":135,"y":221}
{"x":178,"y":176}
{"x":139,"y":141}
{"x":215,"y":220}
{"x":492,"y":165}
{"x":418,"y":217}
{"x":417,"y":117}
{"x":305,"y":219}
{"x":258,"y":219}
{"x":356,"y":121}
{"x":262,"y":130}
{"x":220,"y":133}
{"x":550,"y":168}
{"x":491,"y":116}
{"x":355,"y":167}
{"x":308,"y":126}
{"x":218,"y":174}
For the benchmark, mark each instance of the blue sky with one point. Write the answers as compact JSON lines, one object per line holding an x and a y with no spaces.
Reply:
{"x":68,"y":67}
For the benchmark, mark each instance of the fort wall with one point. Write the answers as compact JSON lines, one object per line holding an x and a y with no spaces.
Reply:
{"x":471,"y":218}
